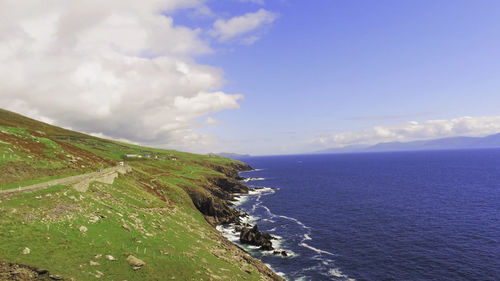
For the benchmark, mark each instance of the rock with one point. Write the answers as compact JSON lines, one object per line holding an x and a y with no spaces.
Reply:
{"x":126,"y":227}
{"x":110,"y":257}
{"x":253,"y":236}
{"x":55,"y":277}
{"x":83,"y":229}
{"x":98,"y":256}
{"x":26,"y":251}
{"x":135,"y":262}
{"x":266,"y":246}
{"x":94,"y":219}
{"x":98,"y":274}
{"x":282,"y":253}
{"x":93,"y":263}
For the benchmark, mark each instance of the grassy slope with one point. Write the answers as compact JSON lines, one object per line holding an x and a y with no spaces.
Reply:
{"x":166,"y":229}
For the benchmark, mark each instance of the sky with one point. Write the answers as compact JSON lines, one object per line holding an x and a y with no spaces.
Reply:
{"x":254,"y":76}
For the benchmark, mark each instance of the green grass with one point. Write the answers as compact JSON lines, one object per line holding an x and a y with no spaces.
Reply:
{"x":167,"y":231}
{"x":172,"y":238}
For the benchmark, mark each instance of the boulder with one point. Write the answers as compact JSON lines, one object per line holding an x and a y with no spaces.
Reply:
{"x":252,"y":236}
{"x":135,"y":262}
{"x":282,"y":253}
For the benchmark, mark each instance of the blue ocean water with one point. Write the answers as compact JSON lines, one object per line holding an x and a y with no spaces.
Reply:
{"x":380,"y":216}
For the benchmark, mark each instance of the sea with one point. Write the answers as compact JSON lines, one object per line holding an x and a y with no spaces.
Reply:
{"x":431,"y":215}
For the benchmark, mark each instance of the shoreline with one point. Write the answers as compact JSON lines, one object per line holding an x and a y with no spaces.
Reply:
{"x":256,"y":213}
{"x":230,"y":187}
{"x":243,"y":220}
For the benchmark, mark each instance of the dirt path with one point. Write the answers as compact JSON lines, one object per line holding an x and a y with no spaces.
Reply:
{"x":80,"y":182}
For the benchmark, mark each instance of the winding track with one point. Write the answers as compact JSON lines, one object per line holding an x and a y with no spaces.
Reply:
{"x":80,"y":182}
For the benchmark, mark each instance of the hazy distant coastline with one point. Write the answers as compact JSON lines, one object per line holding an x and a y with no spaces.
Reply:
{"x":491,"y":141}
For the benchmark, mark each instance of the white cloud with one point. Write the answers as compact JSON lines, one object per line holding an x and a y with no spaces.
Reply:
{"x":117,"y":68}
{"x":236,"y":27}
{"x":410,"y":131}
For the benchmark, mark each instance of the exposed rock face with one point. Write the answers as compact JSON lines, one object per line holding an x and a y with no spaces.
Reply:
{"x":232,"y":172}
{"x":226,"y":187}
{"x":253,"y":236}
{"x":213,"y":200}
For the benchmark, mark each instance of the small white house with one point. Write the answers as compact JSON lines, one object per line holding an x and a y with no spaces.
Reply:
{"x":122,"y":163}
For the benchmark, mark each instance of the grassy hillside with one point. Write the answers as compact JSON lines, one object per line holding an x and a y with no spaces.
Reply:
{"x":157,"y":213}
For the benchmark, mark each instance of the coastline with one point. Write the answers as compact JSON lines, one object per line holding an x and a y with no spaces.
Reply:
{"x":232,"y":229}
{"x":219,"y":210}
{"x":233,"y":232}
{"x":256,"y":212}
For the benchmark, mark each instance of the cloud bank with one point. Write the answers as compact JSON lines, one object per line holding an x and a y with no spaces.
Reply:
{"x":410,"y":131}
{"x":113,"y":68}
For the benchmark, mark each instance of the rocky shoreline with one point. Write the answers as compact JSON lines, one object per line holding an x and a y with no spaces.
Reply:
{"x":219,"y":209}
{"x":216,"y":203}
{"x":251,"y":235}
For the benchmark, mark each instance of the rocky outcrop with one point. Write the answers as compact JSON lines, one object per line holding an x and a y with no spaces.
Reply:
{"x":242,"y":256}
{"x":252,"y":236}
{"x":216,"y":211}
{"x":213,"y":200}
{"x":281,"y":253}
{"x":19,"y":272}
{"x":226,"y":187}
{"x":232,"y":170}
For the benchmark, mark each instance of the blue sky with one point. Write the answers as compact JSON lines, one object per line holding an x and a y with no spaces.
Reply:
{"x":327,"y":67}
{"x":255,"y":76}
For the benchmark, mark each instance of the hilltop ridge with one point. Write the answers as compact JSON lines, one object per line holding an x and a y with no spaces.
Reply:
{"x":154,"y":222}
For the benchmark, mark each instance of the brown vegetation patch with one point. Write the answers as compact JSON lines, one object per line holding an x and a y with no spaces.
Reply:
{"x":62,"y":210}
{"x":19,"y":272}
{"x":84,"y":154}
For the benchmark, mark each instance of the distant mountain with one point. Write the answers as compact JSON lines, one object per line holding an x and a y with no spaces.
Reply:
{"x":492,"y":141}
